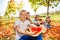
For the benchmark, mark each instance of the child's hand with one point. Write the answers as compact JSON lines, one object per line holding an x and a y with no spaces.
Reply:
{"x":35,"y":35}
{"x":31,"y":33}
{"x":44,"y":29}
{"x":37,"y":22}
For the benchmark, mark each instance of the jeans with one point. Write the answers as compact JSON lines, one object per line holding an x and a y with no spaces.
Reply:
{"x":39,"y":37}
{"x":26,"y":37}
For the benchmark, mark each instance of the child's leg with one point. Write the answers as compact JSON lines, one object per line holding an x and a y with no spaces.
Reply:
{"x":39,"y":37}
{"x":26,"y":37}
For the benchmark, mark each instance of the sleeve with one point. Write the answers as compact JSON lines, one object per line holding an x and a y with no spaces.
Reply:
{"x":16,"y":23}
{"x":45,"y":24}
{"x":28,"y":23}
{"x":33,"y":21}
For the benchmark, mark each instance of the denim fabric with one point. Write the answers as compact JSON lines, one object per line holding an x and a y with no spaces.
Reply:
{"x":47,"y":25}
{"x":26,"y":37}
{"x":39,"y":37}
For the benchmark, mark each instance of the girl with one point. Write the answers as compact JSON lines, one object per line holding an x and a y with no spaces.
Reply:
{"x":21,"y":26}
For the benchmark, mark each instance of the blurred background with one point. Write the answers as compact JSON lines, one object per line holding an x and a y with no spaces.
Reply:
{"x":9,"y":12}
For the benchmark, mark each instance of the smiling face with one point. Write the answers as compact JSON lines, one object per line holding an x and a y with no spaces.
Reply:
{"x":23,"y":15}
{"x":28,"y":16}
{"x":37,"y":17}
{"x":48,"y":19}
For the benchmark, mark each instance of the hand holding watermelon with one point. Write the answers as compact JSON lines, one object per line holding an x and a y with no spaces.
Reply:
{"x":36,"y":29}
{"x":28,"y":32}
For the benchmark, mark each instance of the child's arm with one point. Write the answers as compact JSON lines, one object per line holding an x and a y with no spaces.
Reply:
{"x":44,"y":29}
{"x":21,"y":32}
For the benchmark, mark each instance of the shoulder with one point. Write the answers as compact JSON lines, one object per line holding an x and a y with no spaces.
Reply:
{"x":27,"y":21}
{"x":17,"y":21}
{"x":34,"y":20}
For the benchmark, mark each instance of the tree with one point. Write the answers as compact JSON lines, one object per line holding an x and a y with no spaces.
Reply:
{"x":36,"y":4}
{"x":13,"y":7}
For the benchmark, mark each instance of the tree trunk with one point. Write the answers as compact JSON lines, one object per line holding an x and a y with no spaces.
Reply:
{"x":35,"y":13}
{"x":35,"y":10}
{"x":47,"y":8}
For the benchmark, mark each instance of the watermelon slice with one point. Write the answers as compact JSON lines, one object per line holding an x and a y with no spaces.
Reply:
{"x":37,"y":29}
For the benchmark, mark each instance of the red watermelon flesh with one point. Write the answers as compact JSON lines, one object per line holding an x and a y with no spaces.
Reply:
{"x":33,"y":29}
{"x":37,"y":29}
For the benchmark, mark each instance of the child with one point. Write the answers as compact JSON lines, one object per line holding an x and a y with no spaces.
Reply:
{"x":37,"y":22}
{"x":21,"y":26}
{"x":47,"y":25}
{"x":41,"y":22}
{"x":47,"y":22}
{"x":36,"y":18}
{"x":28,"y":17}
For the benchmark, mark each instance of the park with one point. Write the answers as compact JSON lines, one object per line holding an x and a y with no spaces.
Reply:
{"x":9,"y":13}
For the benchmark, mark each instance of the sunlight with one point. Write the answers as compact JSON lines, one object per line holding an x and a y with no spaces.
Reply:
{"x":27,"y":7}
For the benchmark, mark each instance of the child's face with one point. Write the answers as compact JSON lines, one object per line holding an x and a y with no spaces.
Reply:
{"x":37,"y":18}
{"x":28,"y":16}
{"x":23,"y":15}
{"x":48,"y":19}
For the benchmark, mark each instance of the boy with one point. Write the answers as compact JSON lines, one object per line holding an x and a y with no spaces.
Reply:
{"x":21,"y":26}
{"x":28,"y":17}
{"x":47,"y":22}
{"x":36,"y":20}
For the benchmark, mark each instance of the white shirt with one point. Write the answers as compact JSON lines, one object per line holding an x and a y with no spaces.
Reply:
{"x":22,"y":26}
